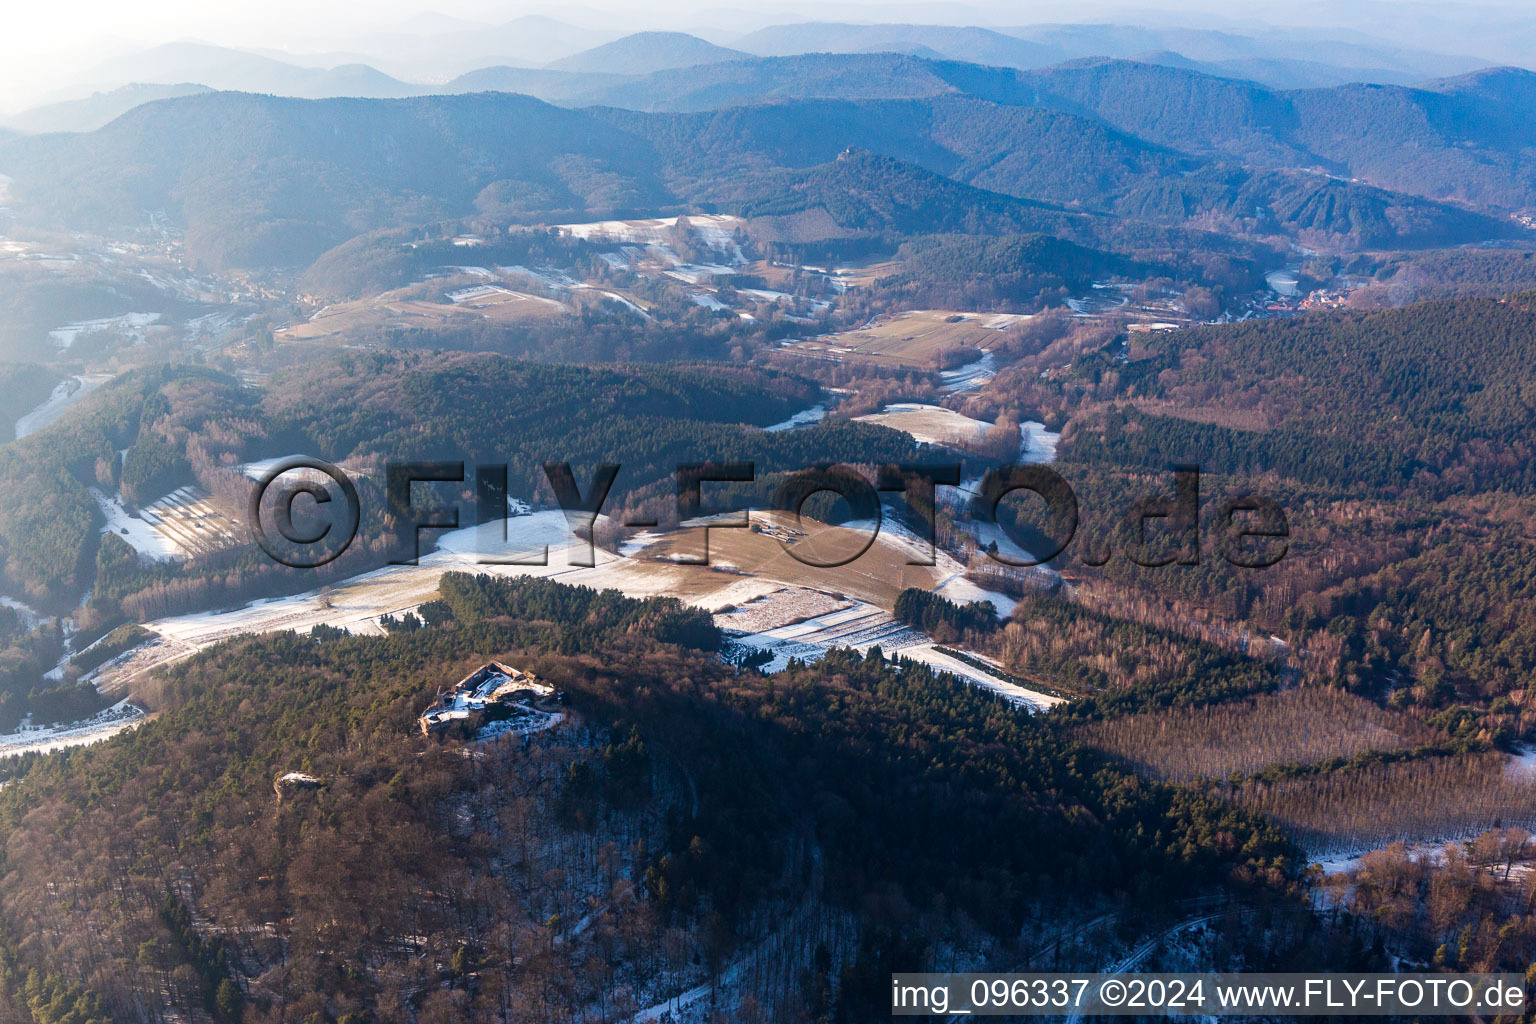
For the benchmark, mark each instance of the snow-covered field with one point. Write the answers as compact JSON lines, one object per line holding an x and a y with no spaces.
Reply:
{"x":931,"y":424}
{"x":699,"y":273}
{"x":179,"y":525}
{"x":258,"y":469}
{"x":550,"y":277}
{"x":358,"y":603}
{"x":42,"y":739}
{"x":129,"y":325}
{"x":858,"y":625}
{"x":717,"y":230}
{"x":951,"y":582}
{"x":1036,"y":444}
{"x":628,"y":304}
{"x":777,"y":608}
{"x":475,"y":292}
{"x":803,"y":418}
{"x":1282,"y":282}
{"x":30,"y":616}
{"x":65,"y":395}
{"x":862,"y":626}
{"x":934,"y":658}
{"x":187,"y":519}
{"x":970,"y":376}
{"x":140,"y":534}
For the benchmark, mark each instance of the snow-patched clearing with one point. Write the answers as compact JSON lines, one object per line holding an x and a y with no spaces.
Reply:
{"x":140,"y":534}
{"x":65,"y":395}
{"x":1036,"y":444}
{"x":129,"y":326}
{"x":970,"y":376}
{"x":632,"y":546}
{"x":42,"y":739}
{"x":31,"y":618}
{"x":357,"y":604}
{"x":552,"y":278}
{"x":478,"y":291}
{"x":699,"y":273}
{"x":1334,"y":863}
{"x":715,"y":230}
{"x":186,"y":517}
{"x":803,"y":418}
{"x":802,"y":624}
{"x":777,"y":607}
{"x":628,"y":304}
{"x":930,"y":655}
{"x":931,"y":424}
{"x":1522,"y":764}
{"x":803,"y":620}
{"x":179,"y":525}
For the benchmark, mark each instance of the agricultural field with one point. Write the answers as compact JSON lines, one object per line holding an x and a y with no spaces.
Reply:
{"x":754,"y":587}
{"x":931,"y":424}
{"x":396,"y":311}
{"x":862,"y":273}
{"x":357,"y":604}
{"x":914,"y":338}
{"x":183,"y":524}
{"x":717,"y":230}
{"x":781,"y":607}
{"x":1298,"y":726}
{"x":188,"y":519}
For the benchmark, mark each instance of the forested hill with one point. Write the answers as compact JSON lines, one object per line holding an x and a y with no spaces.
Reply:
{"x":1461,"y":138}
{"x":1440,"y":393}
{"x":188,"y":424}
{"x":263,"y":181}
{"x":856,"y":791}
{"x":1456,"y":140}
{"x":862,"y":192}
{"x":1021,"y":150}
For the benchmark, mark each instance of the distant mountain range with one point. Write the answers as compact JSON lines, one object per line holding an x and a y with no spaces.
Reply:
{"x":1113,"y":154}
{"x":1042,"y":45}
{"x":582,"y":65}
{"x":647,"y":52}
{"x":219,"y":67}
{"x":94,"y":111}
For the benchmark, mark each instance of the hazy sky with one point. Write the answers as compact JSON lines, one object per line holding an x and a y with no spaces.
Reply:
{"x":56,"y":27}
{"x":43,"y":44}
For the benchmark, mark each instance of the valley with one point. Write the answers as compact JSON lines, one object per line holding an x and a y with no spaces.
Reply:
{"x":1240,"y":331}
